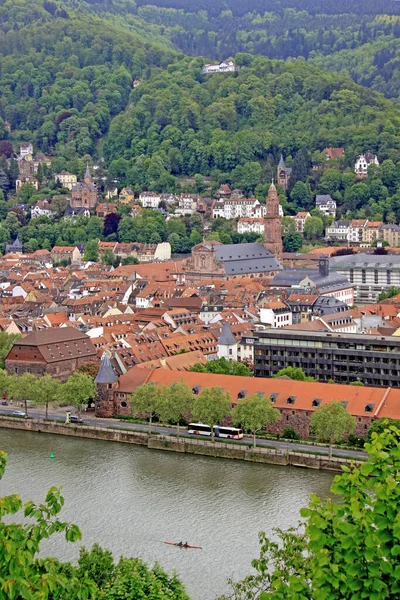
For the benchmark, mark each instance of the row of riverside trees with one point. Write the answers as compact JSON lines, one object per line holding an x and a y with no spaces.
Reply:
{"x":42,"y":391}
{"x":173,"y":404}
{"x":346,"y":549}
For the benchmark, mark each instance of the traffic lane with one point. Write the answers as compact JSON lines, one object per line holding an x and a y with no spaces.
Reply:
{"x":90,"y":419}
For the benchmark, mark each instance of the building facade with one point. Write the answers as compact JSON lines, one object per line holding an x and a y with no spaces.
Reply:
{"x":149,"y":199}
{"x":370,"y":274}
{"x":326,"y":204}
{"x":283,"y":174}
{"x":337,"y":232}
{"x":67,"y":180}
{"x":341,"y":357}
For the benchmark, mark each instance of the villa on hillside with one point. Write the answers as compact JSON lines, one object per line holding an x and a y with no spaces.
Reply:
{"x":227,"y":66}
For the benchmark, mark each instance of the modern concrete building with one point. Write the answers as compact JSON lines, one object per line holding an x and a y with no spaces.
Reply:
{"x":341,"y":357}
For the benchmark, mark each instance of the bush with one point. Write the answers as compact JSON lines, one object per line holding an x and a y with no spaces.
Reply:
{"x":290,"y":434}
{"x":356,"y":441}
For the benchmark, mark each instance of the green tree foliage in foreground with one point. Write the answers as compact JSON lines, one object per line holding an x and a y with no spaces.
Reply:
{"x":23,"y":575}
{"x":350,"y":545}
{"x":211,"y":406}
{"x":390,"y":293}
{"x":221,"y":366}
{"x":332,"y":422}
{"x":7,"y":340}
{"x":254,"y":413}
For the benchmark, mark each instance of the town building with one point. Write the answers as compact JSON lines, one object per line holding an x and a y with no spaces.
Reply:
{"x":149,"y":199}
{"x":321,"y":281}
{"x":363,"y":162}
{"x":126,"y":195}
{"x":391,"y":235}
{"x":276,"y":314}
{"x":70,"y":253}
{"x":67,"y":180}
{"x":356,"y":231}
{"x":105,"y":208}
{"x":283,"y":174}
{"x":234,"y":208}
{"x":227,"y":344}
{"x":20,"y":181}
{"x":369,"y":274}
{"x":84,"y":193}
{"x":55,"y":351}
{"x":341,"y":357}
{"x":333,"y":153}
{"x":226,"y":66}
{"x":326,"y":204}
{"x":300,"y":220}
{"x":250,"y":225}
{"x":187,"y":205}
{"x":41,"y":209}
{"x":15,"y":247}
{"x":337,"y":232}
{"x":26,"y":151}
{"x":372,"y":232}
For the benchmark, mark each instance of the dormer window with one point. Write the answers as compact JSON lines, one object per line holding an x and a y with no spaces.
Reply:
{"x":369,"y":408}
{"x":196,"y":389}
{"x":273,"y":397}
{"x":291,"y":400}
{"x":242,"y":394}
{"x":316,"y":402}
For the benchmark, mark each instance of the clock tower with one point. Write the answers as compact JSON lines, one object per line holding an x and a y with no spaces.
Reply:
{"x":272,"y":223}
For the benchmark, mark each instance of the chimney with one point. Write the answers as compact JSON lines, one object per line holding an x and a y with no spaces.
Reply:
{"x":324,"y":265}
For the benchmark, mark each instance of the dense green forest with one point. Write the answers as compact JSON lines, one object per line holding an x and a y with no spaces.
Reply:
{"x":358,"y":40}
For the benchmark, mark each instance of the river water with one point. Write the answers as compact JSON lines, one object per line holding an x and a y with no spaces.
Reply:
{"x":131,"y":499}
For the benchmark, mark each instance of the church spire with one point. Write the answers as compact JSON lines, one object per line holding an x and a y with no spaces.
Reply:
{"x":87,"y":173}
{"x":281,"y":162}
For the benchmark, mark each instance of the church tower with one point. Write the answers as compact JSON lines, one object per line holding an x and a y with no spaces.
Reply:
{"x":272,"y":223}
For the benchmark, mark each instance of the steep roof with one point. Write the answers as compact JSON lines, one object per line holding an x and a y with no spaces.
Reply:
{"x":106,"y":373}
{"x":226,"y":338}
{"x":246,"y":258}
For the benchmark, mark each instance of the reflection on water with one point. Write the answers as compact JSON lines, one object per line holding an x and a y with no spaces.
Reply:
{"x":131,"y":499}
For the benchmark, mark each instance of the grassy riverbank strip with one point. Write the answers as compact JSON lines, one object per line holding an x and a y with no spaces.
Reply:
{"x":185,"y":445}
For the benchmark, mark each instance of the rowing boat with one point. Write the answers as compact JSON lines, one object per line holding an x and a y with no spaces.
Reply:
{"x":183,"y":545}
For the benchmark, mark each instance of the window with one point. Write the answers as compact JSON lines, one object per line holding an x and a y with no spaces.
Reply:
{"x":388,"y":279}
{"x":376,"y":276}
{"x":124,"y":404}
{"x":363,"y":276}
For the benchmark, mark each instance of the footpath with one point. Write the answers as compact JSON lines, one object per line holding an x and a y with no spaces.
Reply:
{"x":184,"y":445}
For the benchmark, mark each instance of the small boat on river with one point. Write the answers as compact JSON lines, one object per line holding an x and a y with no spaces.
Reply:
{"x":180,"y":545}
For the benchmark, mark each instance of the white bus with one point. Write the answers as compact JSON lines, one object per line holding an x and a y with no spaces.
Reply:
{"x":222,"y":432}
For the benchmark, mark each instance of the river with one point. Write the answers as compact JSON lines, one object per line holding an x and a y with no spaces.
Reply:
{"x":131,"y":499}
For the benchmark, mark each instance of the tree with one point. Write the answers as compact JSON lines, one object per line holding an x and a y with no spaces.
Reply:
{"x":390,"y":293}
{"x":91,"y":251}
{"x":111,"y":222}
{"x":134,"y":579}
{"x":107,"y":257}
{"x":331,"y":422}
{"x":22,"y":388}
{"x":22,"y":573}
{"x":45,"y":390}
{"x":313,"y":228}
{"x":288,"y":225}
{"x":211,"y":406}
{"x":292,"y":242}
{"x":89,"y":368}
{"x":59,"y":205}
{"x":348,"y":547}
{"x":78,"y":390}
{"x":4,"y":382}
{"x":7,"y":341}
{"x":145,"y":401}
{"x":175,"y":404}
{"x":295,"y":373}
{"x":254,"y":413}
{"x":222,"y":367}
{"x":130,"y":260}
{"x":96,"y":564}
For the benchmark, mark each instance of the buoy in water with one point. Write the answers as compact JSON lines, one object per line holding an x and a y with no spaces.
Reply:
{"x":52,"y":455}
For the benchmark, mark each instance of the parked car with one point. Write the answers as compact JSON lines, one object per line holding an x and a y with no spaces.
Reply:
{"x":4,"y":403}
{"x":18,"y":413}
{"x":76,"y":419}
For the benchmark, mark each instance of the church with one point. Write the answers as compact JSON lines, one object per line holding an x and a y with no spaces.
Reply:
{"x":213,"y":260}
{"x":84,"y":193}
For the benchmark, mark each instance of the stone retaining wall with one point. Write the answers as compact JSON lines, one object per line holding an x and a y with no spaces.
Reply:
{"x":184,"y":446}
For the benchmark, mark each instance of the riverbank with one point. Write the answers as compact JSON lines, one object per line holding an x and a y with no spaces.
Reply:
{"x":183,"y":445}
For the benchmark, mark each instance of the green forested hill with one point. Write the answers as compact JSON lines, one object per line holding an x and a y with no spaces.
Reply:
{"x":232,"y":126}
{"x":66,"y":74}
